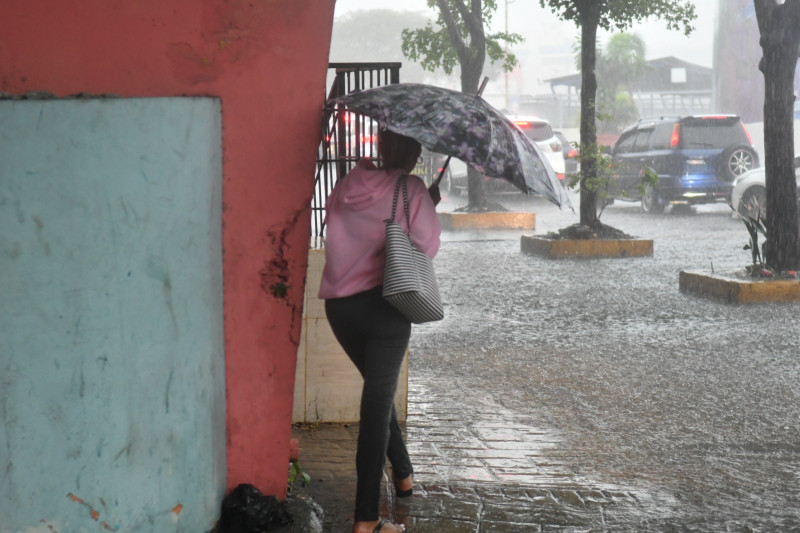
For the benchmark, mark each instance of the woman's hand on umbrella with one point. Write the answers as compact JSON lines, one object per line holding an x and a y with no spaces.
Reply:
{"x":436,"y":196}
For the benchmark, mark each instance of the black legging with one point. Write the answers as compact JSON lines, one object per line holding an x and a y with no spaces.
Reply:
{"x":375,"y":337}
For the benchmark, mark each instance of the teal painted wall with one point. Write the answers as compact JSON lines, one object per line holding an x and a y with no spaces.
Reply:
{"x":111,"y":335}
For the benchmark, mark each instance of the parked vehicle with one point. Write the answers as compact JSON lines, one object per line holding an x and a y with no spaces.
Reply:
{"x":454,"y":181}
{"x":570,"y":153}
{"x":695,"y":157}
{"x":539,"y":131}
{"x":352,"y":139}
{"x":749,"y":192}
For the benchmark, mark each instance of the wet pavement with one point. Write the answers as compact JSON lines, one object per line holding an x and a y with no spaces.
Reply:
{"x":590,"y":395}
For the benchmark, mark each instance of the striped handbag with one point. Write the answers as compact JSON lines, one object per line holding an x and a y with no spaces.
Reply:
{"x":409,"y":283}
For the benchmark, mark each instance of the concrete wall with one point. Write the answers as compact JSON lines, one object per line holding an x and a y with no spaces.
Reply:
{"x":112,"y":350}
{"x":327,"y":384}
{"x":266,"y":61}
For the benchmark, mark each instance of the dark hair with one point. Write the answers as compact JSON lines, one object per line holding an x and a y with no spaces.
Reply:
{"x":397,"y":151}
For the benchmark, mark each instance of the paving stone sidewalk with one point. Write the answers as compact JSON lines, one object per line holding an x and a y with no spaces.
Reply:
{"x":477,"y":470}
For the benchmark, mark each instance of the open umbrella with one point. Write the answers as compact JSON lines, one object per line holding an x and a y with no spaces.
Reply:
{"x":464,"y":126}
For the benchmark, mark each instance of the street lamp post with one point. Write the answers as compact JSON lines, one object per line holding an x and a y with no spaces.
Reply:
{"x":506,"y":48}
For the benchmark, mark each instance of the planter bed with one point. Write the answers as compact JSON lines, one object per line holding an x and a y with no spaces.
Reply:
{"x":736,"y":288}
{"x":559,"y":248}
{"x":488,"y":220}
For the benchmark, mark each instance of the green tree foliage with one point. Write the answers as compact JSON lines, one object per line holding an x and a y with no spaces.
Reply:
{"x":779,"y":26}
{"x":619,"y":65}
{"x":589,"y":15}
{"x":458,"y":38}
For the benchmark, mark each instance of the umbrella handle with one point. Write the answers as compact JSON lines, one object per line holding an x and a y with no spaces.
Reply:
{"x":441,"y":172}
{"x":483,"y":85}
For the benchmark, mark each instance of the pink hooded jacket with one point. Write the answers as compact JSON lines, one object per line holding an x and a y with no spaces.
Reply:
{"x":355,"y":227}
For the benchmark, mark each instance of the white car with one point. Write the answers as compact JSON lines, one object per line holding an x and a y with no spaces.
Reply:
{"x":537,"y":130}
{"x":749,"y":194}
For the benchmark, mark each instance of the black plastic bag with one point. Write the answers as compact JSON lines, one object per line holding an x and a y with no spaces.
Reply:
{"x":246,"y":510}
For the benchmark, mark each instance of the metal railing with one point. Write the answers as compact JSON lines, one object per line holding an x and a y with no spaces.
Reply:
{"x":345,"y":137}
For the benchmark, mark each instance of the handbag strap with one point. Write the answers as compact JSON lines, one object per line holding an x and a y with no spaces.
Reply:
{"x":401,"y":181}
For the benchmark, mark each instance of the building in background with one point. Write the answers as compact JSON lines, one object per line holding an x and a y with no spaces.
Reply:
{"x":670,"y":86}
{"x":738,"y":84}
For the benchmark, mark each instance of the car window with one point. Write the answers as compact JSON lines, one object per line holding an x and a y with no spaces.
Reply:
{"x":642,"y":141}
{"x":662,"y":135}
{"x":625,"y":142}
{"x":712,"y":133}
{"x":536,"y":131}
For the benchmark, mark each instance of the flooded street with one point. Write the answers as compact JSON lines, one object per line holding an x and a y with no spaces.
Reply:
{"x":693,"y":402}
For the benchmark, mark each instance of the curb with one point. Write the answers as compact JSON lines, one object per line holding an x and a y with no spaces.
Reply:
{"x":488,"y":220}
{"x":734,"y":290}
{"x":586,"y":248}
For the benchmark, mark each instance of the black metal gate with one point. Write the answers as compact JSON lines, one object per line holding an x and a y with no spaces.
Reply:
{"x":346,"y":137}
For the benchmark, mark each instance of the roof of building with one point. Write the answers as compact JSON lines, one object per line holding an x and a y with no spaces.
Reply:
{"x":661,"y":76}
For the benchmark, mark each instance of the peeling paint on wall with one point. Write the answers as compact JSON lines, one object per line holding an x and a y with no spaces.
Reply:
{"x":276,"y":273}
{"x":94,"y":514}
{"x":275,"y":276}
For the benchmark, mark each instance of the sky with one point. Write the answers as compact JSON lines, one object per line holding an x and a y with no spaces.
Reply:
{"x":547,"y":50}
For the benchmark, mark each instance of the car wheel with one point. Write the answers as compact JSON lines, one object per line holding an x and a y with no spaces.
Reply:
{"x":736,"y":160}
{"x":650,"y":200}
{"x":754,"y":203}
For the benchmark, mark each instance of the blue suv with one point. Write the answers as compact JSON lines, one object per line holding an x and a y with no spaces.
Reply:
{"x":695,"y":157}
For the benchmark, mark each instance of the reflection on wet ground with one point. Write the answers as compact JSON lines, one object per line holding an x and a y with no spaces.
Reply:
{"x":612,"y":378}
{"x":502,"y":470}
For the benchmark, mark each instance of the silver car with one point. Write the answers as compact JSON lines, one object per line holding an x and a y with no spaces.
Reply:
{"x":749,"y":194}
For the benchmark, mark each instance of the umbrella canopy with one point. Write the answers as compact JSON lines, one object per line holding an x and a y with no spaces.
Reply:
{"x":464,"y":126}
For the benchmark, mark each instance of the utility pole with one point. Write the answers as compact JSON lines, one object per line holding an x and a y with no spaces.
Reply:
{"x":506,"y":48}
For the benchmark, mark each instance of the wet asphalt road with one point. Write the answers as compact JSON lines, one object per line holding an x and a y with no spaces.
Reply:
{"x":693,"y":401}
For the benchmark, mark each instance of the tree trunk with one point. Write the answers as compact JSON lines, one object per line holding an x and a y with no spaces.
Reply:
{"x":779,"y":41}
{"x":471,"y":70}
{"x":589,"y":18}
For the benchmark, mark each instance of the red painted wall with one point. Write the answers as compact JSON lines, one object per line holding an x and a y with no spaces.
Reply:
{"x":266,"y":60}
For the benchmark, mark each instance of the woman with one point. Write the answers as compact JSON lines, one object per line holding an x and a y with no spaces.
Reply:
{"x":372,"y":332}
